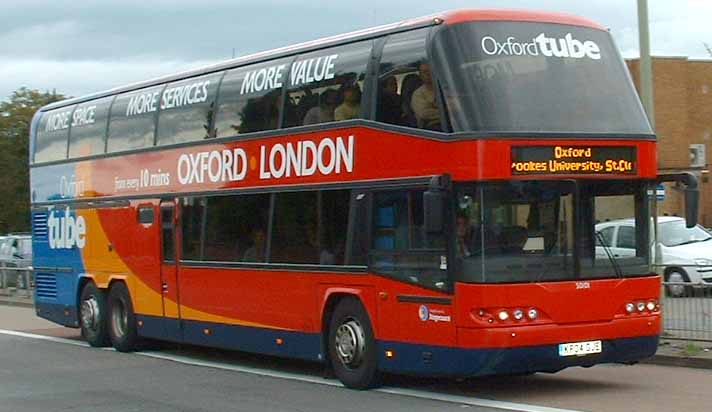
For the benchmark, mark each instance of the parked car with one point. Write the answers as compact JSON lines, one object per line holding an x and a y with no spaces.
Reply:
{"x":685,"y":254}
{"x":16,"y":252}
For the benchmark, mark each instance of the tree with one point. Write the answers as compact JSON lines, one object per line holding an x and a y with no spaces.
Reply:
{"x":15,"y":118}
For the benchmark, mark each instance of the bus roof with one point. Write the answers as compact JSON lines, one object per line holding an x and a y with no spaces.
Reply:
{"x":447,"y":17}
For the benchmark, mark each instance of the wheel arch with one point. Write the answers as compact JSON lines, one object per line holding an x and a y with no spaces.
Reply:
{"x":330,"y":298}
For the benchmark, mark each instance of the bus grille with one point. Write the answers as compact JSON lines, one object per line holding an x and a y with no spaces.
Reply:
{"x":46,"y":285}
{"x":39,"y":225}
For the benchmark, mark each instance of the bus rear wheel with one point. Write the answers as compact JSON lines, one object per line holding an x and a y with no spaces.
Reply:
{"x":92,"y":316}
{"x":352,"y":347}
{"x":122,"y":320}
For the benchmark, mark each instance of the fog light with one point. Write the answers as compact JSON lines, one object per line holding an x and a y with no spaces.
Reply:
{"x":518,"y":314}
{"x":650,"y":306}
{"x":641,"y":306}
{"x":503,"y":315}
{"x":629,"y":307}
{"x":532,"y":313}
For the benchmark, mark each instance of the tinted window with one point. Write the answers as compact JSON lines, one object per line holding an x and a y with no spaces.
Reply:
{"x":400,"y":246}
{"x":88,"y":132}
{"x":327,"y":85}
{"x":607,"y":235}
{"x":250,"y":98}
{"x":133,"y":118}
{"x":167,"y":212}
{"x":403,"y":67}
{"x":333,"y":226}
{"x":187,"y":109}
{"x":145,"y":215}
{"x":626,"y":237}
{"x":226,"y":228}
{"x":52,"y":133}
{"x":295,"y":230}
{"x":535,"y":77}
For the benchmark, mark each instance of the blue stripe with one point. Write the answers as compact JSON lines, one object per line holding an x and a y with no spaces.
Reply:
{"x":298,"y":345}
{"x":409,"y":358}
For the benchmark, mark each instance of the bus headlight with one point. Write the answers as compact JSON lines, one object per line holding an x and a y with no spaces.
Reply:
{"x":518,"y":314}
{"x":503,"y":315}
{"x":629,"y":307}
{"x":641,"y":306}
{"x":533,"y":314}
{"x":650,"y":306}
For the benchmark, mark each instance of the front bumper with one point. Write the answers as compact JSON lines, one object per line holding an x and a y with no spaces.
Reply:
{"x":462,"y":362}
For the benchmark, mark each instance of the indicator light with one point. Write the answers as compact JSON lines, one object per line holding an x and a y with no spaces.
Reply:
{"x":389,"y":354}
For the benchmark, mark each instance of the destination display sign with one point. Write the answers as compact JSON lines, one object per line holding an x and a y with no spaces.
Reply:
{"x":565,"y":160}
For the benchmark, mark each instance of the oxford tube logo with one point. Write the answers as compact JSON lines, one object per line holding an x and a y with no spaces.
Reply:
{"x":66,"y":231}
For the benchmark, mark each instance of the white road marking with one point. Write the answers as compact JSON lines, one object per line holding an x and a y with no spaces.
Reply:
{"x":459,"y":399}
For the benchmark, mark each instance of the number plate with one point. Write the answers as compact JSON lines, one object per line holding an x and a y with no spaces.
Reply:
{"x":580,"y":348}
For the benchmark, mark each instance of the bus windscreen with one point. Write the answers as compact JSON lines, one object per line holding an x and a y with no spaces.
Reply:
{"x":535,"y":77}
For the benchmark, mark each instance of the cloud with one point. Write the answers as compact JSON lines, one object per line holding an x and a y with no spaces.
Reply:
{"x":84,"y":77}
{"x":80,"y":47}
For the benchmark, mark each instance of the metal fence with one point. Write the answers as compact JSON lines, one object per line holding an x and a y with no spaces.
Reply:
{"x":688,"y":316}
{"x":16,"y":278}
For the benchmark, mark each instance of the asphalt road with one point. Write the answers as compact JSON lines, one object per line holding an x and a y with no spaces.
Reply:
{"x":65,"y":375}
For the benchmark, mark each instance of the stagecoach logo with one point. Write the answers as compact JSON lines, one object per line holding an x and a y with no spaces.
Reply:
{"x":542,"y":45}
{"x":435,"y":315}
{"x":423,"y":312}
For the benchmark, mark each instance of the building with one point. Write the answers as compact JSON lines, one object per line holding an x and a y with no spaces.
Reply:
{"x":682,"y":90}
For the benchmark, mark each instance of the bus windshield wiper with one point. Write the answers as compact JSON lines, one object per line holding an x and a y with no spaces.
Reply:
{"x":607,"y":249}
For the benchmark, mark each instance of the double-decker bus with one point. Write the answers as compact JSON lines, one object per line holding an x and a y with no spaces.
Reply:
{"x":416,"y":198}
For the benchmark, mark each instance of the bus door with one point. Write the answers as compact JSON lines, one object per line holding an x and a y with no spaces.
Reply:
{"x":169,"y":268}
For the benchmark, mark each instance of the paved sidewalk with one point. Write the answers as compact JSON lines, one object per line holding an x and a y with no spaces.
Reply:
{"x":15,"y":299}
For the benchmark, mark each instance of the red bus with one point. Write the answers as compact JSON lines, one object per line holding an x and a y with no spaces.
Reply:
{"x":416,"y":198}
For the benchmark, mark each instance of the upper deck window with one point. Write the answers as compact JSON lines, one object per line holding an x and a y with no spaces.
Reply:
{"x":89,"y":128}
{"x":133,"y":119}
{"x":250,"y":98}
{"x":403,"y":96}
{"x":187,"y":110}
{"x":52,"y":133}
{"x":327,"y":85}
{"x":535,"y":77}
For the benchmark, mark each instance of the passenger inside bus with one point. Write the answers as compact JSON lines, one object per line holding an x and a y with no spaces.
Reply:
{"x":324,"y":111}
{"x":423,"y":101}
{"x":389,"y":103}
{"x":411,"y":83}
{"x":256,"y":252}
{"x":351,"y":107}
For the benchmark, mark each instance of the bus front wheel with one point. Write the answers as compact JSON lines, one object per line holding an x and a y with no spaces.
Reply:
{"x":122,"y":320}
{"x":352,"y":347}
{"x":92,"y":316}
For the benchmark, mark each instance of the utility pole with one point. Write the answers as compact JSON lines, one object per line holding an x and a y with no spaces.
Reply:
{"x":646,"y":71}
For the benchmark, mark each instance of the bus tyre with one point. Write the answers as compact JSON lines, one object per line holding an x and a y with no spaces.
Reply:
{"x":122,"y":320}
{"x":92,"y":316}
{"x":352,"y":347}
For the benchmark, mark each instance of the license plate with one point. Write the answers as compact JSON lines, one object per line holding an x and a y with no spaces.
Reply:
{"x":580,"y":348}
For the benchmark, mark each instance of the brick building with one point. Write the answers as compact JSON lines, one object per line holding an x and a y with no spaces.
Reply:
{"x":682,"y":89}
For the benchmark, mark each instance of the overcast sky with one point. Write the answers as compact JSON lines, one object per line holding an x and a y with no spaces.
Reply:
{"x":78,"y":47}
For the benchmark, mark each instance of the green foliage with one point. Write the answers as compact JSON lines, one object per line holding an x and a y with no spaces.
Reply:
{"x":15,"y":118}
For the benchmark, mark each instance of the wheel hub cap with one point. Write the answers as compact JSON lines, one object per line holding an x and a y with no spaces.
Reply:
{"x":119,"y":318}
{"x":90,"y":313}
{"x":350,"y":339}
